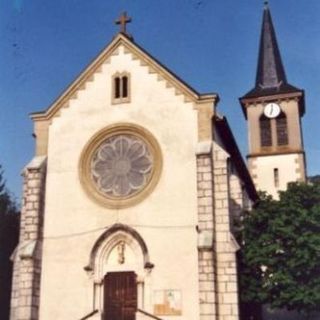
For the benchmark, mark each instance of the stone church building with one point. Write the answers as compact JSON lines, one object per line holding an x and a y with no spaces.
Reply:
{"x":131,"y":197}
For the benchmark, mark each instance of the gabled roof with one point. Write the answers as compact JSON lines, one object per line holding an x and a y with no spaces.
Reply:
{"x":271,"y":78}
{"x":231,"y":146}
{"x":147,"y":59}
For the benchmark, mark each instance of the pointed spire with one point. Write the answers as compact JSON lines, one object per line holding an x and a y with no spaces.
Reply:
{"x":271,"y":77}
{"x":270,"y":73}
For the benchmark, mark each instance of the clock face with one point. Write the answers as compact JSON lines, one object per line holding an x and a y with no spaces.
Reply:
{"x":272,"y":110}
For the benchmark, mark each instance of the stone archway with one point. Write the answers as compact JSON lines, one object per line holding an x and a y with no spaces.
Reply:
{"x":113,"y":234}
{"x":119,"y":249}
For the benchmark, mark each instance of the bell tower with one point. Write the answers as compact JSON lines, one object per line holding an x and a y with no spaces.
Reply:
{"x":273,"y":109}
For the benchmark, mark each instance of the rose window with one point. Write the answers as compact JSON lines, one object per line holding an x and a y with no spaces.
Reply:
{"x":122,"y":165}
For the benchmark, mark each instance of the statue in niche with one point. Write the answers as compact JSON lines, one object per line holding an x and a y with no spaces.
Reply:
{"x":121,"y":252}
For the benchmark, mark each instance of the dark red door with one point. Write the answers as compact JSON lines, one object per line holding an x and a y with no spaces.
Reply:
{"x":120,"y":296}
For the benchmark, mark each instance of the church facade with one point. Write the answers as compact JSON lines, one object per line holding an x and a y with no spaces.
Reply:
{"x":130,"y":199}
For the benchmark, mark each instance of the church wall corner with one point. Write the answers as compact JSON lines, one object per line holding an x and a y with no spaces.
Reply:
{"x":206,"y":112}
{"x":41,"y":131}
{"x":206,"y":257}
{"x":225,"y":251}
{"x":217,"y":266}
{"x":27,"y":262}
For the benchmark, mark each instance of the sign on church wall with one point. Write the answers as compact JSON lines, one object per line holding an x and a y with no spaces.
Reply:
{"x":167,"y":302}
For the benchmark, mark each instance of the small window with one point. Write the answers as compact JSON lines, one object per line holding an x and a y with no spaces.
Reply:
{"x":124,"y":87}
{"x":276,"y":177}
{"x":265,"y":131}
{"x":282,"y":130}
{"x":117,"y":87}
{"x":121,"y":88}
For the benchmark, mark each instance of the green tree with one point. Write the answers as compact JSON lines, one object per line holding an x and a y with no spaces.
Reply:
{"x":314,"y":179}
{"x":280,"y":257}
{"x":9,"y":230}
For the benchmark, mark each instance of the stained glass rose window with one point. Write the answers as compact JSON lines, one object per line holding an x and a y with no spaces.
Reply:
{"x":121,"y":165}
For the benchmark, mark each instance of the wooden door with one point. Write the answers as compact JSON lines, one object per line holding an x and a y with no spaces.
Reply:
{"x":120,"y":296}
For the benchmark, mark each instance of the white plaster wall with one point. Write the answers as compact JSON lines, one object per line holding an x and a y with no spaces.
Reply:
{"x":166,"y":219}
{"x":262,"y":170}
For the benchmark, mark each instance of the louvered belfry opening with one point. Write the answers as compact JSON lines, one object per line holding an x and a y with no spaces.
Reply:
{"x":282,"y":130}
{"x":265,"y":131}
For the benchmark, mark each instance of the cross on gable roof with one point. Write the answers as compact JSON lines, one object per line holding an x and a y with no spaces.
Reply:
{"x":122,"y":21}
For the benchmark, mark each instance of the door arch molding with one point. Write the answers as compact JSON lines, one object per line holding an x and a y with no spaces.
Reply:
{"x":115,"y":233}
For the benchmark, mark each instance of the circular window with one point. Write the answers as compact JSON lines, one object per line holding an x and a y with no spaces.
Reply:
{"x":120,"y":165}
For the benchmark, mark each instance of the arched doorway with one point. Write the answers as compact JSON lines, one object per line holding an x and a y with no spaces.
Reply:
{"x":120,"y":269}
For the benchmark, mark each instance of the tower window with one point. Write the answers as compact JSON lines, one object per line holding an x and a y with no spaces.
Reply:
{"x":265,"y":132}
{"x":282,"y":130}
{"x":276,"y":177}
{"x":121,"y":87}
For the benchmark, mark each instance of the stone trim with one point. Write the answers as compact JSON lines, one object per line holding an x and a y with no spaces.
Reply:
{"x":246,"y":102}
{"x":25,"y":297}
{"x":85,"y":165}
{"x":99,"y":265}
{"x":204,"y":148}
{"x":108,"y":234}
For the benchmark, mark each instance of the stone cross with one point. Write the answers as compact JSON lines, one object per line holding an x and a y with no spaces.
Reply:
{"x":123,"y":20}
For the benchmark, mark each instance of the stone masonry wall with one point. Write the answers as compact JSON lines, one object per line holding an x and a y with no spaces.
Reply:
{"x":225,"y":247}
{"x":206,"y":261}
{"x":27,"y":258}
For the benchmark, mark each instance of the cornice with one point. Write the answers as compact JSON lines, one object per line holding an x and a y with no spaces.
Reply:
{"x":274,"y":153}
{"x":262,"y":99}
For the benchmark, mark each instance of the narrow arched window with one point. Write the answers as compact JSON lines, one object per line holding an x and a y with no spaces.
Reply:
{"x":282,"y":130}
{"x":125,"y":87}
{"x":121,"y":87}
{"x":117,"y":87}
{"x":265,"y":131}
{"x":276,"y":177}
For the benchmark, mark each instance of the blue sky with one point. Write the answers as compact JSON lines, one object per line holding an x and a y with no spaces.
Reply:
{"x":211,"y":44}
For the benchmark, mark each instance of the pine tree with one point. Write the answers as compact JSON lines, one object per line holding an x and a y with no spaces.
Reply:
{"x":9,"y":230}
